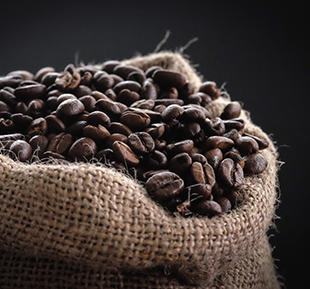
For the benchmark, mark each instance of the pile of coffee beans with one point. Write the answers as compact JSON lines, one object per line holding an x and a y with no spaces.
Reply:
{"x":150,"y":124}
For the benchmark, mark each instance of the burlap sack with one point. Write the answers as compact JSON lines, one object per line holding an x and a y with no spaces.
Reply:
{"x":85,"y":226}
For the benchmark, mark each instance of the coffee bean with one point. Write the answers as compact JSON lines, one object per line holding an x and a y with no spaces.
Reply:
{"x":224,"y":203}
{"x":21,"y":150}
{"x":156,"y":160}
{"x":69,"y":79}
{"x":214,"y":157}
{"x":214,"y":126}
{"x":109,"y":65}
{"x":156,"y":130}
{"x":37,"y":127}
{"x":231,"y":110}
{"x":137,"y":76}
{"x":60,"y":143}
{"x":127,"y":96}
{"x":42,"y":72}
{"x":247,"y":145}
{"x":210,"y":88}
{"x":127,"y":84}
{"x":148,"y":90}
{"x":172,"y":112}
{"x":38,"y":144}
{"x":88,"y":102}
{"x":263,"y":144}
{"x":163,"y":187}
{"x":31,"y":91}
{"x":230,"y":174}
{"x":182,"y":146}
{"x":7,"y":126}
{"x":114,"y":137}
{"x":124,"y":154}
{"x":103,"y":81}
{"x":221,"y":142}
{"x":168,"y":79}
{"x":197,"y":157}
{"x":97,"y":133}
{"x":36,"y":108}
{"x":254,"y":164}
{"x":207,"y":208}
{"x":69,"y":107}
{"x":180,"y":163}
{"x":141,"y":143}
{"x":82,"y":149}
{"x":124,"y":70}
{"x":135,"y":120}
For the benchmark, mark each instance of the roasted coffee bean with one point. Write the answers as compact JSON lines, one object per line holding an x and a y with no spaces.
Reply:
{"x":64,"y":96}
{"x":231,"y":110}
{"x":10,"y":80}
{"x":105,"y":156}
{"x":214,"y":126}
{"x":8,"y":97}
{"x":234,"y":123}
{"x":69,"y":79}
{"x":117,"y":127}
{"x":148,"y":90}
{"x":172,"y":112}
{"x":13,"y":136}
{"x":110,"y":94}
{"x":191,"y":130}
{"x":7,"y":126}
{"x":144,"y":104}
{"x":124,"y":70}
{"x":24,"y":74}
{"x":43,"y":71}
{"x":181,"y":146}
{"x":254,"y":164}
{"x":82,"y":149}
{"x":236,"y":157}
{"x":21,"y":150}
{"x":76,"y":128}
{"x":232,"y":134}
{"x":137,"y":76}
{"x":247,"y":145}
{"x":163,"y":187}
{"x":150,"y":71}
{"x":49,"y":78}
{"x":230,"y":174}
{"x":103,"y":81}
{"x":89,"y":102}
{"x":31,"y":91}
{"x":207,"y":208}
{"x":224,"y":203}
{"x":36,"y":108}
{"x":168,"y":79}
{"x":4,"y":106}
{"x":221,"y":142}
{"x":197,"y":157}
{"x":114,"y":137}
{"x":127,"y":84}
{"x":263,"y":144}
{"x":99,"y":117}
{"x":203,"y":174}
{"x":232,"y":196}
{"x":171,"y":93}
{"x":197,"y":192}
{"x":123,"y":153}
{"x":135,"y":120}
{"x":210,"y":88}
{"x":156,"y":160}
{"x":160,"y":144}
{"x":156,"y":130}
{"x":109,"y":65}
{"x":127,"y":96}
{"x":168,"y":101}
{"x":214,"y":157}
{"x":141,"y":143}
{"x":69,"y":107}
{"x":60,"y":143}
{"x":180,"y":163}
{"x":109,"y":107}
{"x":193,"y":114}
{"x":37,"y":127}
{"x":38,"y":144}
{"x":86,"y":78}
{"x":97,"y":133}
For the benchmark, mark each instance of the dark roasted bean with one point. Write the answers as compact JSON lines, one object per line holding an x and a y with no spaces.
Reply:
{"x":69,"y":107}
{"x":141,"y":143}
{"x":207,"y":208}
{"x":210,"y":88}
{"x":143,"y":104}
{"x":231,"y":110}
{"x":105,"y":156}
{"x":42,"y":72}
{"x":214,"y":126}
{"x":88,"y":102}
{"x":38,"y":144}
{"x":123,"y":153}
{"x":127,"y":96}
{"x":214,"y":157}
{"x":137,"y":76}
{"x":156,"y":160}
{"x":114,"y":137}
{"x":124,"y":70}
{"x":96,"y":133}
{"x":36,"y":108}
{"x":21,"y":150}
{"x":254,"y":164}
{"x":82,"y":149}
{"x":109,"y":65}
{"x":30,"y":91}
{"x":224,"y":203}
{"x":148,"y":90}
{"x":168,"y":79}
{"x":37,"y":127}
{"x":180,"y":163}
{"x":135,"y":120}
{"x":103,"y":81}
{"x":117,"y":127}
{"x":172,"y":112}
{"x":230,"y":174}
{"x":7,"y":126}
{"x":221,"y":142}
{"x":163,"y":187}
{"x":263,"y":144}
{"x":197,"y":157}
{"x":247,"y":145}
{"x":69,"y":79}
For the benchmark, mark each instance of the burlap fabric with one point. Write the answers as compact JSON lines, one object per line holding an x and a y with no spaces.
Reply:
{"x":86,"y":226}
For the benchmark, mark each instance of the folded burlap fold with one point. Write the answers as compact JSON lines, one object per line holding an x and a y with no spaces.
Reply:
{"x":86,"y":226}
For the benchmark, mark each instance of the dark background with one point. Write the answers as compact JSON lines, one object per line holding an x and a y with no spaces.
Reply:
{"x":259,"y":49}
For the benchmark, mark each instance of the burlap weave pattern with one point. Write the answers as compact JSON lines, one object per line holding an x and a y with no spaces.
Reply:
{"x":86,"y":226}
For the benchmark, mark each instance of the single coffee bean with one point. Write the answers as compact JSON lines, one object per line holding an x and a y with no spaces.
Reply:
{"x":69,"y":79}
{"x":197,"y":157}
{"x":8,"y":97}
{"x":135,"y":120}
{"x":163,"y":187}
{"x":167,"y":79}
{"x":49,"y":78}
{"x":224,"y":203}
{"x":124,"y":70}
{"x":181,"y":146}
{"x":13,"y":136}
{"x":103,"y":81}
{"x":143,"y":104}
{"x":105,"y":156}
{"x":236,"y":157}
{"x":127,"y":84}
{"x":231,"y":110}
{"x":150,"y":71}
{"x":7,"y":126}
{"x":82,"y":149}
{"x":109,"y":65}
{"x":141,"y":143}
{"x":172,"y":112}
{"x":263,"y":144}
{"x":171,"y":93}
{"x":156,"y":130}
{"x":24,"y":74}
{"x":43,"y":71}
{"x":232,"y":134}
{"x":36,"y":108}
{"x":168,"y":101}
{"x":234,"y":123}
{"x":127,"y":96}
{"x":97,"y":133}
{"x":230,"y":174}
{"x":89,"y":102}
{"x":197,"y":192}
{"x":10,"y":80}
{"x":109,"y":107}
{"x":180,"y":163}
{"x":232,"y":196}
{"x":123,"y":153}
{"x":254,"y":164}
{"x":221,"y":142}
{"x":99,"y":117}
{"x":156,"y":160}
{"x":214,"y":126}
{"x":114,"y":137}
{"x":160,"y":144}
{"x":76,"y":128}
{"x":69,"y":107}
{"x":60,"y":143}
{"x":247,"y":145}
{"x":38,"y":144}
{"x":207,"y":208}
{"x":31,"y":91}
{"x":21,"y":150}
{"x":137,"y":76}
{"x":64,"y":96}
{"x":37,"y":127}
{"x":214,"y":157}
{"x":148,"y":90}
{"x":210,"y":88}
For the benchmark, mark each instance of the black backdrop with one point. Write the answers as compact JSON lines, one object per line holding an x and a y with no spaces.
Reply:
{"x":259,"y":50}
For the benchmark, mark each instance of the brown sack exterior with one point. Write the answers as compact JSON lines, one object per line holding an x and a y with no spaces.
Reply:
{"x":85,"y":226}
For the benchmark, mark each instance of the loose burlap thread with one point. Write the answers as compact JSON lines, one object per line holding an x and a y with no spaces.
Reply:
{"x":86,"y":226}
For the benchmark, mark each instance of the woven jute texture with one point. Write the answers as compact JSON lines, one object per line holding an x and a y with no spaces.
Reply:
{"x":86,"y":226}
